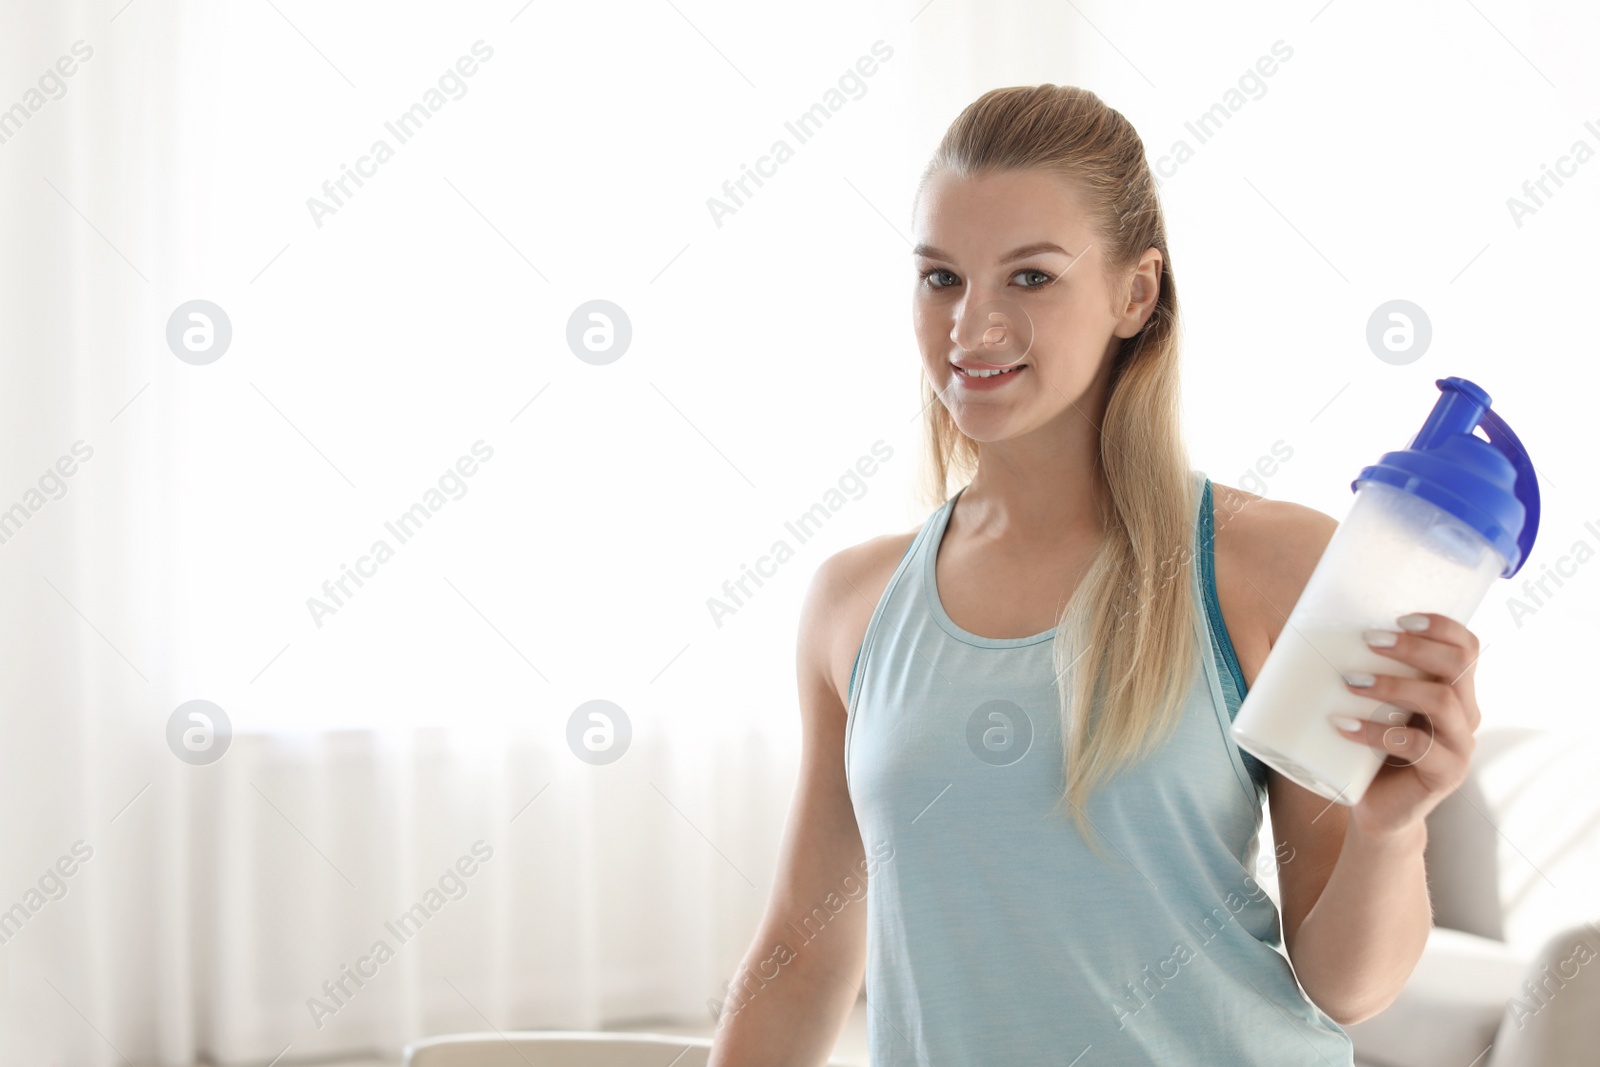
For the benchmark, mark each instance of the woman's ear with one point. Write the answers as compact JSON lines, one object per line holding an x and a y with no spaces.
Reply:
{"x":1143,"y":290}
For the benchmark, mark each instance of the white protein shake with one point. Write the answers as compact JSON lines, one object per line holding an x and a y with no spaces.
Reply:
{"x":1297,"y":689}
{"x":1393,"y":554}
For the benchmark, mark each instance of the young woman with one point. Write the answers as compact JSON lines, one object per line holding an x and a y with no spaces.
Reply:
{"x":1045,"y":885}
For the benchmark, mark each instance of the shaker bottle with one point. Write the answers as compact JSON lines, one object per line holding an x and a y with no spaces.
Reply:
{"x":1431,"y":527}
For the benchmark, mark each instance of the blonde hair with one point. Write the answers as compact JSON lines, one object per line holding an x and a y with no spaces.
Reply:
{"x":1122,"y":695}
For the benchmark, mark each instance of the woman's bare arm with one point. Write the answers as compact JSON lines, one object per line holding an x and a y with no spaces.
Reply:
{"x":800,"y":977}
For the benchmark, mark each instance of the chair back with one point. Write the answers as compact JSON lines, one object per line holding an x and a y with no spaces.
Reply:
{"x":559,"y":1048}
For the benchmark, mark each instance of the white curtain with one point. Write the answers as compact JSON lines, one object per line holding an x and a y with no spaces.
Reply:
{"x":471,"y":885}
{"x":401,"y":773}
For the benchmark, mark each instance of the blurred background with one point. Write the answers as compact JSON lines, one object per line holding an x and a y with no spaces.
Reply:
{"x":282,"y":281}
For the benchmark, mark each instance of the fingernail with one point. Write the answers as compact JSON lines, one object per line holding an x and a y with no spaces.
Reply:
{"x":1380,"y":638}
{"x":1360,"y":679}
{"x":1413,"y":623}
{"x":1345,"y":722}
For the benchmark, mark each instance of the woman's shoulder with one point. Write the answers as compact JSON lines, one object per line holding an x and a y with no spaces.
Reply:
{"x":1265,"y":551}
{"x":844,"y":592}
{"x":1256,"y":524}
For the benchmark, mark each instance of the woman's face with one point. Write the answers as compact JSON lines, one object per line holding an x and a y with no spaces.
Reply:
{"x":1009,"y":278}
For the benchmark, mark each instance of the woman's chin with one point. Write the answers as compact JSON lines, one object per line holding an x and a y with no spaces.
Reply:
{"x":987,"y":427}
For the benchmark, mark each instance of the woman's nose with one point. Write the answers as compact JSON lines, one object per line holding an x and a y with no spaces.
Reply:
{"x":993,"y":329}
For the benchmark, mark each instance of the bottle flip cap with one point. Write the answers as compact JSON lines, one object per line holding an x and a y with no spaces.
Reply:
{"x":1489,"y":485}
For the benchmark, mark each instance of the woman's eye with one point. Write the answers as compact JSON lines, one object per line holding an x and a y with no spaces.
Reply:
{"x":1046,"y":279}
{"x":928,"y":274}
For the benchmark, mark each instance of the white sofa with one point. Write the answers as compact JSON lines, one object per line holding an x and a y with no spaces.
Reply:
{"x":1511,"y":973}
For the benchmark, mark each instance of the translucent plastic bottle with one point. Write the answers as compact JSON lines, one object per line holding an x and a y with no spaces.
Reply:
{"x":1431,"y":527}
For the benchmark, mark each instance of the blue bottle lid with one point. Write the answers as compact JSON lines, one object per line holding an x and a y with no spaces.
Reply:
{"x":1489,"y":485}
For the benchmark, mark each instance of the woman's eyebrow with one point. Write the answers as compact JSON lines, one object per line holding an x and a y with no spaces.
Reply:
{"x":929,"y":252}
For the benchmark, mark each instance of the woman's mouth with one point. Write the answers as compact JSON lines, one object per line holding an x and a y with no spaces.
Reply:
{"x":985,"y":379}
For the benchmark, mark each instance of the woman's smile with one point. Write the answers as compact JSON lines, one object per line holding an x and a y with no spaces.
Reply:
{"x":982,"y":378}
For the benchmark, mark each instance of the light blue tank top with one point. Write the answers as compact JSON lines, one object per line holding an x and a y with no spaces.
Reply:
{"x":995,"y":934}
